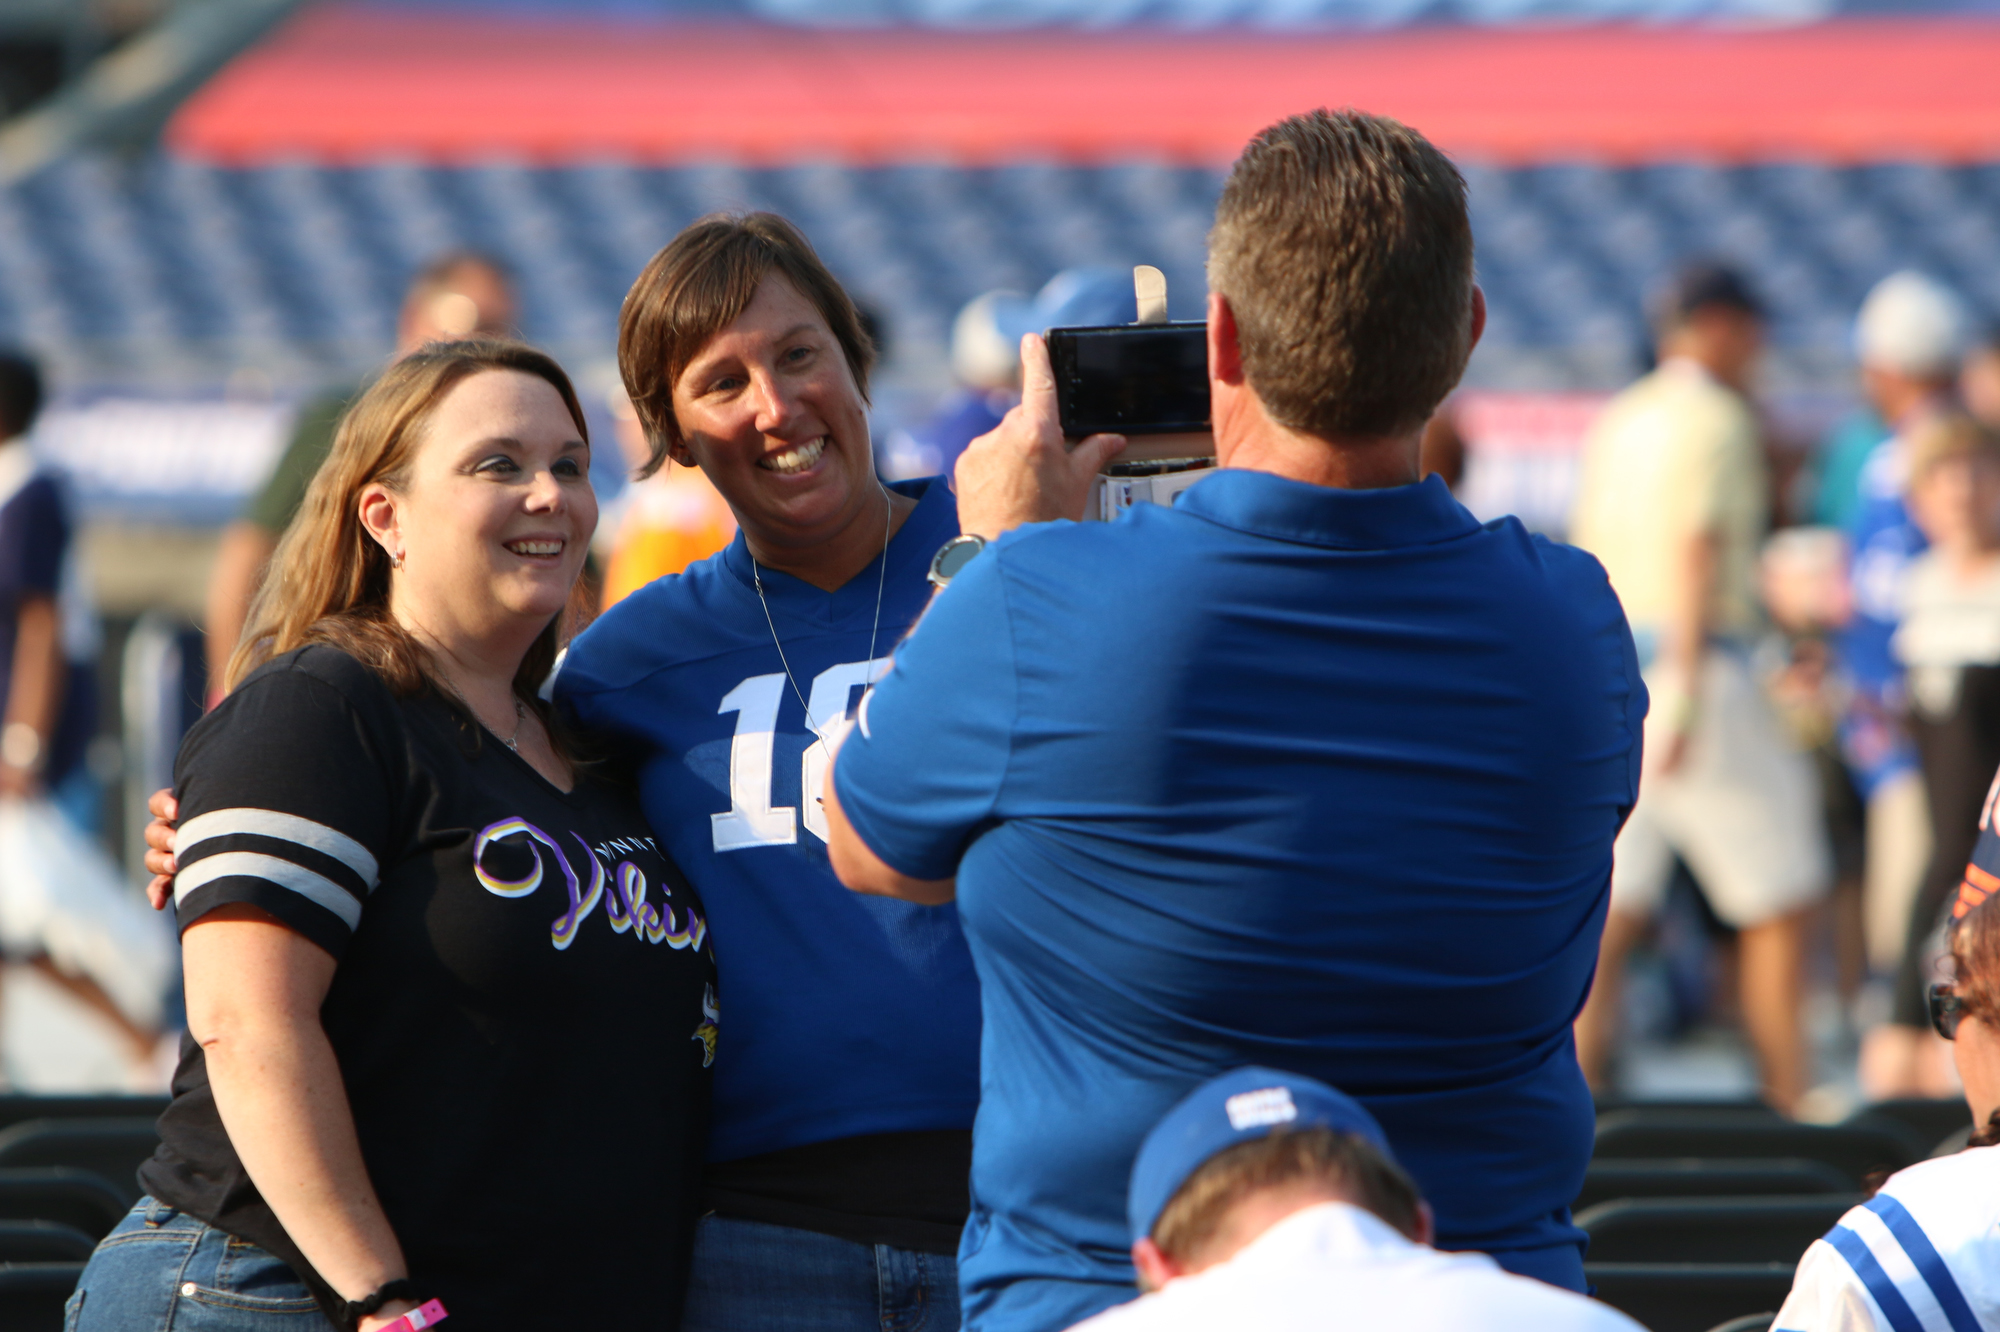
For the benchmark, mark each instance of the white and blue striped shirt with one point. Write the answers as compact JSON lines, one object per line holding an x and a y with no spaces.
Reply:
{"x":1923,"y":1255}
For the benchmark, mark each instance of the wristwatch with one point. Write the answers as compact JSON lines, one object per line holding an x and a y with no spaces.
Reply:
{"x":952,"y":556}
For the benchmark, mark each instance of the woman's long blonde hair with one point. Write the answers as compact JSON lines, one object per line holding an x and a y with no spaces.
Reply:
{"x":329,"y":580}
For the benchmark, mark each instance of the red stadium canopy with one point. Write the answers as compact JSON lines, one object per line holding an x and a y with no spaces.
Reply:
{"x":344,"y":83}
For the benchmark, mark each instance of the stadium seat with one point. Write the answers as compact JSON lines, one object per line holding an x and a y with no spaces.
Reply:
{"x":1751,"y":1108}
{"x":43,"y":1242}
{"x":1932,"y":1121}
{"x":1611,"y":1178}
{"x":1710,"y":1230}
{"x":32,"y":1295}
{"x":1855,"y":1149}
{"x":16,"y":1108}
{"x":1689,"y":1297}
{"x":110,"y":1148}
{"x":75,"y":1198}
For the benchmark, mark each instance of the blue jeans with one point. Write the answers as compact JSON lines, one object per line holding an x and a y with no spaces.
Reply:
{"x":753,"y":1277}
{"x":163,"y":1271}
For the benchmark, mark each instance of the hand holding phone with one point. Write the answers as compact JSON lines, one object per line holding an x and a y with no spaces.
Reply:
{"x":1024,"y":470}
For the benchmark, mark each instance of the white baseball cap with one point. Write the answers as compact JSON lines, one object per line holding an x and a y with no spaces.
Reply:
{"x":1914,"y":324}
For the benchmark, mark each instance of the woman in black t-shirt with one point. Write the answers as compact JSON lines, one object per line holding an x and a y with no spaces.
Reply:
{"x":451,"y":1008}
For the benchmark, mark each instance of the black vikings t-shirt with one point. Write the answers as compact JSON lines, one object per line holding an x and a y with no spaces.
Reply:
{"x":524,"y":1008}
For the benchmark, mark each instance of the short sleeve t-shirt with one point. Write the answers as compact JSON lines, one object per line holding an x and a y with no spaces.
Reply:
{"x":849,"y":1016}
{"x":524,"y":1007}
{"x":1923,"y":1253}
{"x":1323,"y":780}
{"x":1674,"y":456}
{"x":34,"y":543}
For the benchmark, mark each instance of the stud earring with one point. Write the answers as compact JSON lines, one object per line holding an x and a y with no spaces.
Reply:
{"x":395,"y":561}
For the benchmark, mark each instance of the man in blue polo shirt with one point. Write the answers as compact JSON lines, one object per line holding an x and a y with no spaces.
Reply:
{"x":1311,"y":770}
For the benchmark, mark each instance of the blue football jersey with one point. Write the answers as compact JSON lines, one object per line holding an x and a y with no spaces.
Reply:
{"x":846,"y":1014}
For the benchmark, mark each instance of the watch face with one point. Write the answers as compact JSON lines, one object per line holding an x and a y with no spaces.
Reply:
{"x":955,"y":556}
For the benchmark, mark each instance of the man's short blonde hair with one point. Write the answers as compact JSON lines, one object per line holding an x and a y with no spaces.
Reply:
{"x":1343,"y":246}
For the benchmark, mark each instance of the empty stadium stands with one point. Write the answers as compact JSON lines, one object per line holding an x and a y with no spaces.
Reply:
{"x":168,"y":272}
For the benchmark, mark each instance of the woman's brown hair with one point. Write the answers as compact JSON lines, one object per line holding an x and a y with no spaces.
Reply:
{"x":697,"y":286}
{"x":1975,"y":957}
{"x":329,"y":580}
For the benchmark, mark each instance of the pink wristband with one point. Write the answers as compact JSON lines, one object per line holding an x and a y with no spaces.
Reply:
{"x":417,"y":1319}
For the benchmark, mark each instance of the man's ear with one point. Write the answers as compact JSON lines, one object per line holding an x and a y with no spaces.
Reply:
{"x":1225,"y":351}
{"x":1478,"y":317}
{"x":1155,"y":1268}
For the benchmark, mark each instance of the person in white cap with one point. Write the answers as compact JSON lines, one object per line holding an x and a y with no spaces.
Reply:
{"x":1923,"y":1255}
{"x":1272,"y":1201}
{"x":1909,"y":337}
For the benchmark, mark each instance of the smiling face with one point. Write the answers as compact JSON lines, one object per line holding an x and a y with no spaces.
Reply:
{"x":770,"y":411}
{"x":494,"y":516}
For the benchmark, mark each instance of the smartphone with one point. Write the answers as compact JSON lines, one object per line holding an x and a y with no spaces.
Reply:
{"x":1131,"y":379}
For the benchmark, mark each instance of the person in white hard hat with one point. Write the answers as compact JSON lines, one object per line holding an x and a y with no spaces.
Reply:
{"x":1910,"y":336}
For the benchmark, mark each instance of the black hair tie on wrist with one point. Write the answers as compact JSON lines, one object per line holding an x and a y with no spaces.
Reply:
{"x":402,"y":1288}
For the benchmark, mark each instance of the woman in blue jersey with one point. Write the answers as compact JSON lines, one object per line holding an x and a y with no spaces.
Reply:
{"x":845,"y":1095}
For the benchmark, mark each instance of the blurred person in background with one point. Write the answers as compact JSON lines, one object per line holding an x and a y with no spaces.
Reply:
{"x":458,"y":295}
{"x":1674,"y":499}
{"x":49,"y":695}
{"x":48,"y":712}
{"x":1910,"y":337}
{"x":1266,"y":1200}
{"x":406,"y":1067}
{"x":1948,"y":645}
{"x":986,"y":358}
{"x":1979,"y":379}
{"x":1924,"y":1252}
{"x":1442,"y":453}
{"x":669,"y":517}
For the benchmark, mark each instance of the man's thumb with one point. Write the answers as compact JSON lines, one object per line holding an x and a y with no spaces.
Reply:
{"x":1097,"y":450}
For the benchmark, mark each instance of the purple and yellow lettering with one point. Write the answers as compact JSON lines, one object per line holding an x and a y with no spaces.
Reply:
{"x":563,"y":932}
{"x":632,"y":887}
{"x":618,"y":902}
{"x":494,"y":832}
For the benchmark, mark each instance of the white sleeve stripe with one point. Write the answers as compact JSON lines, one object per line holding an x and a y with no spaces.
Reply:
{"x":313,"y":887}
{"x":284,"y":828}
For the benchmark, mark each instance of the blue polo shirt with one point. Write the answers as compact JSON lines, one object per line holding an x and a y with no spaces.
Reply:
{"x":1319,"y":779}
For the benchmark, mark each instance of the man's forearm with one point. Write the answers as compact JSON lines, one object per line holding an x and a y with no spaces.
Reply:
{"x":861,"y":870}
{"x":34,"y":692}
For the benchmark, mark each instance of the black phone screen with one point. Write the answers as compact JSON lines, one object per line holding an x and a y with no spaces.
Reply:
{"x":1131,"y":379}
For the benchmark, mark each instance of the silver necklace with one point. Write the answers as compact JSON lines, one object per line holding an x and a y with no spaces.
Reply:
{"x":520,"y":716}
{"x":881,"y":580}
